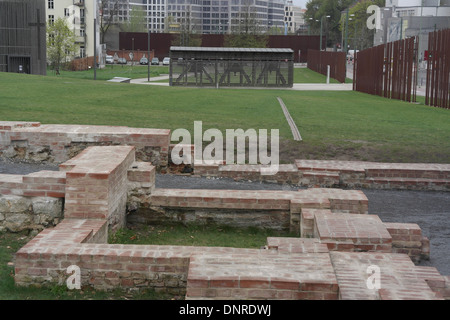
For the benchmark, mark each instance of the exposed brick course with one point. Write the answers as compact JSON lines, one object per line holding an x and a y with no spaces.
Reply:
{"x":348,"y":174}
{"x":65,"y":141}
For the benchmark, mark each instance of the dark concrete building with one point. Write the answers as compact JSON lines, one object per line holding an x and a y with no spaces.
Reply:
{"x":23,"y":36}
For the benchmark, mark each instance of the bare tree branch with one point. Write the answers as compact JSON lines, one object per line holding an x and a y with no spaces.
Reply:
{"x":109,"y":9}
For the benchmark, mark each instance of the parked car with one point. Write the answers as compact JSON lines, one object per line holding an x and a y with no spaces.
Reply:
{"x":122,"y":61}
{"x":109,"y":59}
{"x":155,"y":61}
{"x":143,"y":61}
{"x":166,"y":61}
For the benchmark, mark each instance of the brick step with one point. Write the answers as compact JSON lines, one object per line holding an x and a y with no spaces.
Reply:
{"x":377,"y":169}
{"x":262,"y":274}
{"x":358,"y":232}
{"x":223,"y":199}
{"x":321,"y":173}
{"x":330,"y":165}
{"x":409,"y":173}
{"x":399,"y":278}
{"x":403,"y":183}
{"x":336,"y":199}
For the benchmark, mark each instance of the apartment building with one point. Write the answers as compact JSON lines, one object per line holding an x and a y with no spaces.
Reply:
{"x":80,"y":15}
{"x":293,"y":17}
{"x":401,"y":19}
{"x":210,"y":16}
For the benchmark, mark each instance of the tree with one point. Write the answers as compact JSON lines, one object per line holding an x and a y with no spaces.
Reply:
{"x":318,"y":10}
{"x":136,"y":21}
{"x":359,"y":36}
{"x":60,"y":43}
{"x":245,"y":40}
{"x":108,"y":10}
{"x":246,"y":31}
{"x":187,"y":30}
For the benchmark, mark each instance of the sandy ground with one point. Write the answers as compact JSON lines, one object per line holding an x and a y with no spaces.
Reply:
{"x":429,"y":209}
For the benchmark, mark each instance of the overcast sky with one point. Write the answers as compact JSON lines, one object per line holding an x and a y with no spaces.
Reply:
{"x":301,"y":3}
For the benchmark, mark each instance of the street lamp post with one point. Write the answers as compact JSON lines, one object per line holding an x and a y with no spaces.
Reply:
{"x":321,"y":22}
{"x":346,"y":33}
{"x":148,"y":54}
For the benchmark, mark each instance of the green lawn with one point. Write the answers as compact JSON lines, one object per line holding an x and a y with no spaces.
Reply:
{"x":305,"y":75}
{"x":193,"y":235}
{"x":111,"y":71}
{"x":301,"y":75}
{"x":333,"y":125}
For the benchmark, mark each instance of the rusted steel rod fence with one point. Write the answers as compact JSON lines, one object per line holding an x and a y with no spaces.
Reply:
{"x":438,"y":69}
{"x":388,"y":70}
{"x":320,"y":60}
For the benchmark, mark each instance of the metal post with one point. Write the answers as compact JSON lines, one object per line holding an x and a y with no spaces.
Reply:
{"x":328,"y":74}
{"x":148,"y":59}
{"x":321,"y":20}
{"x":346,"y":35}
{"x":95,"y":49}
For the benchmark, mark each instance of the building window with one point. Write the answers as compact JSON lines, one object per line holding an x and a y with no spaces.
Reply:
{"x":51,"y":19}
{"x":51,"y":4}
{"x":66,"y":12}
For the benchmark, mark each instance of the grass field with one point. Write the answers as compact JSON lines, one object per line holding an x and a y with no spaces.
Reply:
{"x":111,"y":71}
{"x":333,"y":125}
{"x":192,"y":235}
{"x":301,"y":75}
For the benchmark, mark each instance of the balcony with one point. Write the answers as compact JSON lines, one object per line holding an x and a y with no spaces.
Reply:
{"x":79,"y":3}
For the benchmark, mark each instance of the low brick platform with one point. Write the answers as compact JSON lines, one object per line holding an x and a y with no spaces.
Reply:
{"x":37,"y":184}
{"x":342,"y":174}
{"x":400,"y":279}
{"x":34,"y":141}
{"x":262,"y":275}
{"x":357,"y":174}
{"x":268,"y":209}
{"x":364,"y":232}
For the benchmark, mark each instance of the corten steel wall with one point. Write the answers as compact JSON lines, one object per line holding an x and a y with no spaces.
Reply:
{"x":23,"y":36}
{"x":161,"y":42}
{"x":438,"y":70}
{"x":388,"y":70}
{"x":320,"y":60}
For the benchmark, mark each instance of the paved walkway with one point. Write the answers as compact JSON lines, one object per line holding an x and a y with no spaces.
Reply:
{"x":296,"y":86}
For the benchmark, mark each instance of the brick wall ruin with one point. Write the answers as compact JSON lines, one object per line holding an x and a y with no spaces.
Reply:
{"x":337,"y":238}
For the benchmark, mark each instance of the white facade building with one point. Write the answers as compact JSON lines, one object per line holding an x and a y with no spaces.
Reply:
{"x":293,"y":17}
{"x":209,"y":16}
{"x":401,"y":19}
{"x":80,"y":15}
